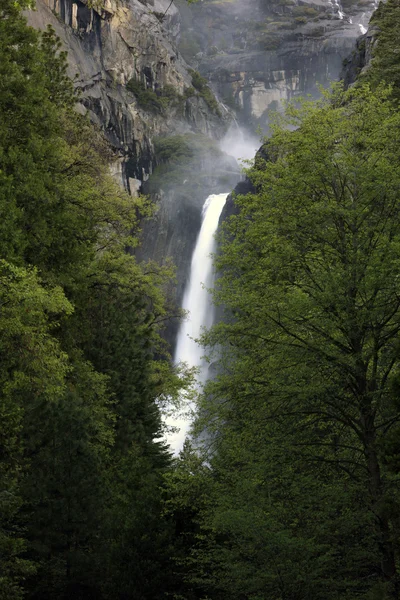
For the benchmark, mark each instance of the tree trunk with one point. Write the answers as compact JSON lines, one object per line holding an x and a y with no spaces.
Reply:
{"x":388,"y":564}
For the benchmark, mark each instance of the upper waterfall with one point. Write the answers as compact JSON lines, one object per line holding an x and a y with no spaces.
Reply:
{"x":197,"y":302}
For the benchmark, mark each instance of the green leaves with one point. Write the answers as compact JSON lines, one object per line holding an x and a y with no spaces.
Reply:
{"x":306,"y":355}
{"x":83,"y":365}
{"x":34,"y":357}
{"x":33,"y":368}
{"x":385,"y":65}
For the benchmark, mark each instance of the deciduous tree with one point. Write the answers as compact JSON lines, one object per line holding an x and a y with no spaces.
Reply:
{"x":306,"y":399}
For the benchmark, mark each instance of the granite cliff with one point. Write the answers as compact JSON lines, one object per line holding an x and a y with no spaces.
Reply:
{"x":147,"y":71}
{"x":259,"y":53}
{"x":133,"y":83}
{"x":138,"y":89}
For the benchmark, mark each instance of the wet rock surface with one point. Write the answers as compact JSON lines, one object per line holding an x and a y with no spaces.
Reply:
{"x":358,"y":62}
{"x":180,"y":187}
{"x":117,"y":43}
{"x":258,"y":54}
{"x":130,"y":60}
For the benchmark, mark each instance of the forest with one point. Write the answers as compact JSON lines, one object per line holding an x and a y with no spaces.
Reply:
{"x":294,"y":492}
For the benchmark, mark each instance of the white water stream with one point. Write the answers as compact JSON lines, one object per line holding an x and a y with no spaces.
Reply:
{"x":337,"y":8}
{"x":197,"y":302}
{"x":362,"y":21}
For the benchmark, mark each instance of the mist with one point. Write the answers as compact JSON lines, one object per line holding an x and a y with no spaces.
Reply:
{"x":240,"y":143}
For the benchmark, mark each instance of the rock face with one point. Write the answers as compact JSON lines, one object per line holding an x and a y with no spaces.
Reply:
{"x":185,"y":184}
{"x":123,"y":58}
{"x":181,"y":185}
{"x":358,"y":62}
{"x":139,"y":90}
{"x":129,"y":59}
{"x":258,"y":53}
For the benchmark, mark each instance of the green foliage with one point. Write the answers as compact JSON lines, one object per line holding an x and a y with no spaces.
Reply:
{"x":170,"y":93}
{"x":83,"y":365}
{"x":175,"y":148}
{"x":178,"y":157}
{"x":304,"y":11}
{"x":385,"y":64}
{"x":146,"y":98}
{"x":198,"y":81}
{"x":296,"y":495}
{"x":302,"y":420}
{"x":150,"y":100}
{"x":188,"y":494}
{"x":189,"y":92}
{"x":168,"y":96}
{"x":200,"y":84}
{"x":34,"y":367}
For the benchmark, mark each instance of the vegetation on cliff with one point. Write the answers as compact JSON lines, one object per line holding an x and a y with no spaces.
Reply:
{"x":386,"y":65}
{"x":179,"y":157}
{"x":200,"y":84}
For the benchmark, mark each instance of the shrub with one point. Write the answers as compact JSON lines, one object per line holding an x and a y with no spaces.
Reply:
{"x":150,"y":100}
{"x":189,"y":92}
{"x":200,"y":84}
{"x":304,"y":11}
{"x":178,"y":159}
{"x":145,"y":97}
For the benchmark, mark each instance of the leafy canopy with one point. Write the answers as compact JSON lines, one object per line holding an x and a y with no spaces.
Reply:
{"x":303,"y":491}
{"x":83,"y":364}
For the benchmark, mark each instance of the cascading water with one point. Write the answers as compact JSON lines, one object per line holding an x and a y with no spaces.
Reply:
{"x":363,"y":29}
{"x":337,"y":8}
{"x":198,"y":303}
{"x":363,"y":20}
{"x":365,"y":17}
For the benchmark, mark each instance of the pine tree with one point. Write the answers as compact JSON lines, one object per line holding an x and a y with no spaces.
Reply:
{"x":84,"y":365}
{"x":33,"y":367}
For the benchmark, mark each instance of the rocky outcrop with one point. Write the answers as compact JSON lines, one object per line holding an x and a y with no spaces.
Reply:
{"x":259,"y":53}
{"x":358,"y":62}
{"x":192,"y":168}
{"x":133,"y":83}
{"x":159,"y":115}
{"x":139,"y":90}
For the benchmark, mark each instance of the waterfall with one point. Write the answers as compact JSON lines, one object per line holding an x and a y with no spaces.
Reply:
{"x":197,"y":302}
{"x":363,"y":21}
{"x":337,"y":8}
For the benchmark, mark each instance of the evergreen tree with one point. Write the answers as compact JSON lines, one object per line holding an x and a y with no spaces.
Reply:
{"x":33,"y":369}
{"x":84,"y":366}
{"x":384,"y":64}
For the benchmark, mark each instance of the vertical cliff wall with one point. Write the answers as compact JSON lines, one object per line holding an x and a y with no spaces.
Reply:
{"x":136,"y":86}
{"x":139,"y":64}
{"x":260,"y":52}
{"x":133,"y":82}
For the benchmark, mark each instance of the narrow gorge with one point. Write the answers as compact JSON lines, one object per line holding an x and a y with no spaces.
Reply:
{"x":182,"y":90}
